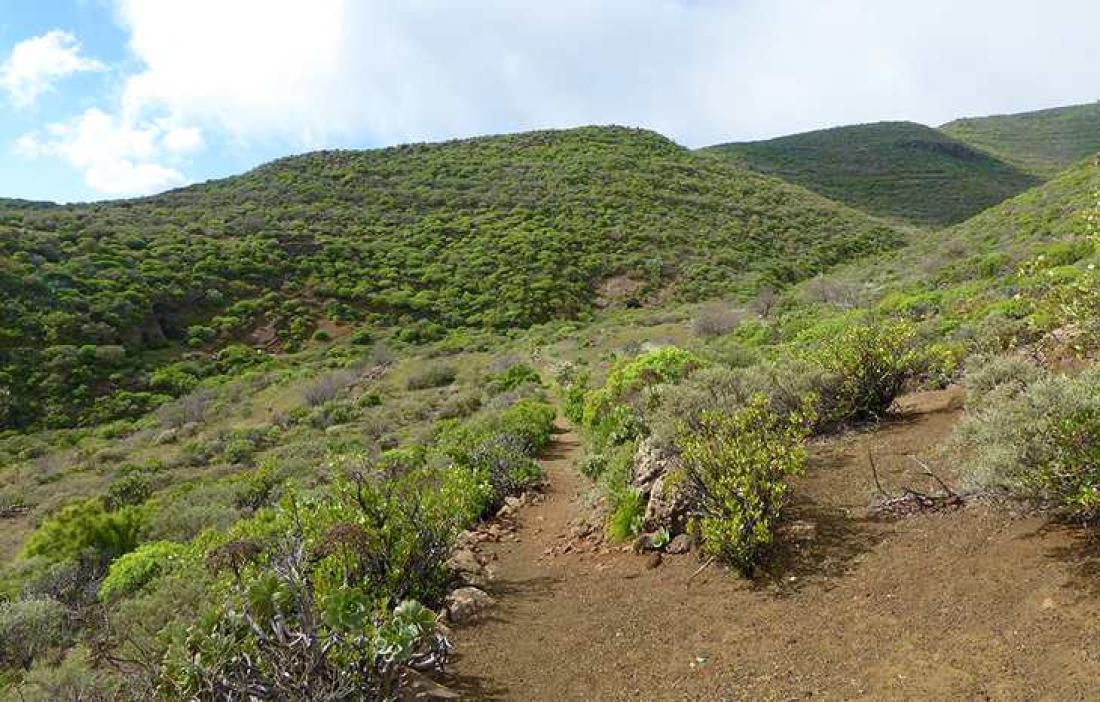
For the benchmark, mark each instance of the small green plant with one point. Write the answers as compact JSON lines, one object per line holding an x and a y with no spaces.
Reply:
{"x":736,"y":467}
{"x":627,"y":514}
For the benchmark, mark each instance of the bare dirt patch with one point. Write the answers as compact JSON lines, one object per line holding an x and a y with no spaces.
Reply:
{"x":973,"y":603}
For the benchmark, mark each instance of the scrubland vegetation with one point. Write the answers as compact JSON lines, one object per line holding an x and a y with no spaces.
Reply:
{"x":189,"y":517}
{"x":899,"y":170}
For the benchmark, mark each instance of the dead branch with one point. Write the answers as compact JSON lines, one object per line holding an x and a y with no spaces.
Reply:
{"x":909,"y":501}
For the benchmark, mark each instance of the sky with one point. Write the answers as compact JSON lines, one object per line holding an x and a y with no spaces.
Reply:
{"x":115,"y":98}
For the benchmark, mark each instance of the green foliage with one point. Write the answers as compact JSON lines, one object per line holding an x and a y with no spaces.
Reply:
{"x":874,"y":363}
{"x":736,"y":467}
{"x":1042,"y":142}
{"x":893,"y":169}
{"x":511,"y":378}
{"x":611,"y":415}
{"x":627,"y":514}
{"x":1035,"y":437}
{"x":491,"y":233}
{"x":131,"y":571}
{"x":87,"y":525}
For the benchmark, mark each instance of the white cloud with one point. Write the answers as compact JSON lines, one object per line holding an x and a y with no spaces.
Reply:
{"x":35,"y":64}
{"x":377,"y":71}
{"x":116,"y":157}
{"x":182,"y":140}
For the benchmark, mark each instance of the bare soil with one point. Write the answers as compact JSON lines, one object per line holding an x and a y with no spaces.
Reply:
{"x":976,"y":603}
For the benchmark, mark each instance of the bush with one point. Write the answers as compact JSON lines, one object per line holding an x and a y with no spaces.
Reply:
{"x":735,"y":469}
{"x":1039,"y":443}
{"x":873,"y":363}
{"x":715,"y":320}
{"x":87,"y":525}
{"x":326,"y":387}
{"x":511,"y":378}
{"x":30,"y":628}
{"x":434,"y":376}
{"x":1005,"y":374}
{"x":627,"y":514}
{"x":132,"y":571}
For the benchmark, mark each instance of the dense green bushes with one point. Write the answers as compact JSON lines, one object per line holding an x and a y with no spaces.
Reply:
{"x":736,"y":467}
{"x":87,"y":525}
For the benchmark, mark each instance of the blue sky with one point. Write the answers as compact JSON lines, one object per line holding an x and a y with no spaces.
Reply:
{"x":113,"y":98}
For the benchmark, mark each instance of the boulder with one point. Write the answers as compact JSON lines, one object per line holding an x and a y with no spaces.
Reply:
{"x":467,"y":604}
{"x":468,"y":567}
{"x":667,"y":507}
{"x":681,"y":543}
{"x":167,"y":436}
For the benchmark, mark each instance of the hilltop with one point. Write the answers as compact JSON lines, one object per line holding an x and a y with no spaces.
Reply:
{"x":488,"y":233}
{"x":1042,"y":142}
{"x":900,"y":170}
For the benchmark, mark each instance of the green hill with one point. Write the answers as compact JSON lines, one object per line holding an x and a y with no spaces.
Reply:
{"x":901,"y":170}
{"x":1042,"y":142}
{"x":498,"y":232}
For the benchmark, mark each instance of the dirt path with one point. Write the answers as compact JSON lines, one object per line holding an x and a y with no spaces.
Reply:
{"x":970,"y":604}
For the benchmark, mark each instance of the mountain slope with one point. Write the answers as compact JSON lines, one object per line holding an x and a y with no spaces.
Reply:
{"x":1042,"y":142}
{"x":893,"y":169}
{"x":496,"y":232}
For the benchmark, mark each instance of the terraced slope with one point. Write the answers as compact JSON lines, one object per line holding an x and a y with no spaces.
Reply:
{"x":901,"y":170}
{"x":1042,"y":142}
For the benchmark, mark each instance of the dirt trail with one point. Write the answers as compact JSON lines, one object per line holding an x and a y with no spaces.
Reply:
{"x":969,"y":604}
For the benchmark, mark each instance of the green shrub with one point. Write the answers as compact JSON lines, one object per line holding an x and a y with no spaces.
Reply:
{"x":1039,"y":443}
{"x":627,"y":514}
{"x":873,"y":363}
{"x":736,"y":468}
{"x":85,"y":525}
{"x":511,"y":378}
{"x":131,"y":571}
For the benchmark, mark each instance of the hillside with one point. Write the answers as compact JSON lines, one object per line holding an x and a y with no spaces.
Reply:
{"x":1042,"y":142}
{"x":491,"y":233}
{"x":900,"y":170}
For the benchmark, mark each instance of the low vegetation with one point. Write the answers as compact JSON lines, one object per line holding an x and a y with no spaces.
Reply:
{"x":898,"y":170}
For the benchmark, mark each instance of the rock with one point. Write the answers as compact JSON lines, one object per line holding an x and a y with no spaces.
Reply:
{"x":417,"y":686}
{"x":681,"y":543}
{"x":643,"y":543}
{"x":653,"y":561}
{"x":466,"y":565}
{"x":650,"y":463}
{"x":189,"y":429}
{"x":506,"y":512}
{"x":667,"y":507}
{"x":514,"y":502}
{"x":467,"y":604}
{"x":167,"y":436}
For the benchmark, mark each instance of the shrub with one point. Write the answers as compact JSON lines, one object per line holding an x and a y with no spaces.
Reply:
{"x":627,"y":514}
{"x":326,"y":387}
{"x":735,"y":470}
{"x":321,"y":336}
{"x":511,"y":378}
{"x":131,"y":571}
{"x":715,"y":320}
{"x":433,"y":376}
{"x":29,"y":628}
{"x":87,"y":525}
{"x":1040,"y":443}
{"x":874,"y":363}
{"x":1005,"y":374}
